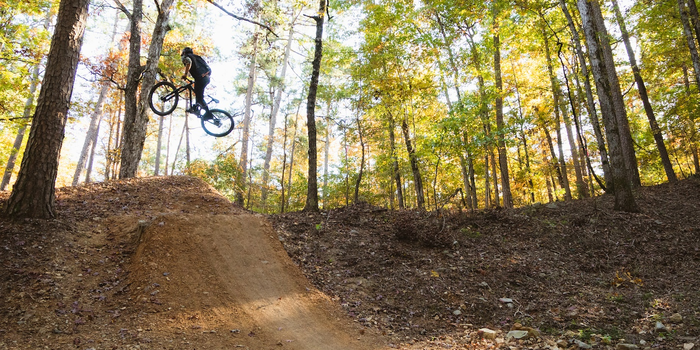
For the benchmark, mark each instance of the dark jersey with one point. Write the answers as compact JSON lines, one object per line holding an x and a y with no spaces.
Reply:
{"x":199,"y":67}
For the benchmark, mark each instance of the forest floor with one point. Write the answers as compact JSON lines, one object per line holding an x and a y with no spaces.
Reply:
{"x":168,"y":263}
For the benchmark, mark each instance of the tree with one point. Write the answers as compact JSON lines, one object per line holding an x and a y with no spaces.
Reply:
{"x":274,"y":112}
{"x":641,"y":88}
{"x":618,"y":103}
{"x":136,"y":117}
{"x":33,"y":194}
{"x":500,"y":127}
{"x":690,"y":39}
{"x":624,"y":199}
{"x":130,"y":153}
{"x":9,"y":168}
{"x":312,"y":189}
{"x":590,"y":103}
{"x":241,"y":186}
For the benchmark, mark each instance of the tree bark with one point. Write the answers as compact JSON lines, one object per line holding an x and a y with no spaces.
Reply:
{"x":135,"y":116}
{"x":413,"y":158}
{"x":395,"y":163}
{"x":159,"y":145}
{"x":95,"y":119}
{"x":690,"y":40}
{"x":129,"y":150}
{"x":624,"y":199}
{"x":554,"y":162}
{"x":655,"y":130}
{"x":326,"y":152}
{"x":362,"y":160}
{"x":500,"y":125}
{"x":273,"y":117}
{"x":91,"y":132}
{"x":312,"y":189}
{"x":241,"y":181}
{"x":33,"y":194}
{"x":581,"y":187}
{"x":88,"y":171}
{"x":590,"y":102}
{"x":556,"y":94}
{"x":618,"y":102}
{"x":17,"y":145}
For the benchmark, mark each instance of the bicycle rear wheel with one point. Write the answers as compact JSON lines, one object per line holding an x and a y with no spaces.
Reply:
{"x":163,"y":98}
{"x":221,"y":123}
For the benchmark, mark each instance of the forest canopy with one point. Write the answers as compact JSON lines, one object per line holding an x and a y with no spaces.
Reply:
{"x":419,"y":104}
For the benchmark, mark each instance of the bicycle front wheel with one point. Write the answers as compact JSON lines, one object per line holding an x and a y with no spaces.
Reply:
{"x":221,"y":123}
{"x":163,"y":98}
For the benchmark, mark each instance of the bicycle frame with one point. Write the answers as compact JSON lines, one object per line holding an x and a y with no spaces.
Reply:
{"x":190,"y":91}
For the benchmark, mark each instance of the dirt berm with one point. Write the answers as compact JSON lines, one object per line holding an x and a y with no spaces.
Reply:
{"x":233,"y":270}
{"x":159,"y":263}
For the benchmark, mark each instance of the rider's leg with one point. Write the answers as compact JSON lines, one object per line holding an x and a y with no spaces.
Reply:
{"x":199,"y":85}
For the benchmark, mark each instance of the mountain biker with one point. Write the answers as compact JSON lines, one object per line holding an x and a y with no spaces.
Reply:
{"x":201,"y":72}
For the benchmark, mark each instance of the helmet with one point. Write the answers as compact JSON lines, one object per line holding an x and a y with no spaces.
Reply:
{"x":186,"y":50}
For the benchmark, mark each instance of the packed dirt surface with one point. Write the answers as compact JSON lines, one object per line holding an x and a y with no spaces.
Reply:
{"x":168,"y":263}
{"x":159,"y":264}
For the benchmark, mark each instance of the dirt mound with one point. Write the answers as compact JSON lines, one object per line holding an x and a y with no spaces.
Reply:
{"x":158,"y":263}
{"x":168,"y":263}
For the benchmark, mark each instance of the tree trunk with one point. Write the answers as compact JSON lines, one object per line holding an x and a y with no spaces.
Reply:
{"x":326,"y":153}
{"x":455,"y":70}
{"x":159,"y":145}
{"x":528,"y":169}
{"x":294,"y":143}
{"x":413,"y":158}
{"x":655,"y":130}
{"x":94,"y":119}
{"x":241,"y":181}
{"x":618,"y":102}
{"x":472,"y":181}
{"x":690,"y":40}
{"x":396,"y":173}
{"x":129,"y":150}
{"x":91,"y":132}
{"x":494,"y":173}
{"x":556,"y":93}
{"x":362,"y":159}
{"x":273,"y":118}
{"x":624,"y":199}
{"x":149,"y":79}
{"x":500,"y":125}
{"x":312,"y":189}
{"x":554,"y":162}
{"x":581,"y":187}
{"x":9,"y":168}
{"x":33,"y":194}
{"x":167,"y":146}
{"x":284,"y":165}
{"x":590,"y":102}
{"x":88,"y":171}
{"x":465,"y":180}
{"x":187,"y":143}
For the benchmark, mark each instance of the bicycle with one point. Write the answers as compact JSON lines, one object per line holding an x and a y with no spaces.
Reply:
{"x":163,"y":99}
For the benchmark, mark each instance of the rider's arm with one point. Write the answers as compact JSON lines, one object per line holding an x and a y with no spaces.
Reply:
{"x":188,"y":63}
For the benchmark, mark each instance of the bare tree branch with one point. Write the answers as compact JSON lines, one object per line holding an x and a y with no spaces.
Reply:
{"x":241,"y":18}
{"x":123,"y":8}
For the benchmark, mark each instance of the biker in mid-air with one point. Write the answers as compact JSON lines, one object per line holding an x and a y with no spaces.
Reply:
{"x":200,"y":71}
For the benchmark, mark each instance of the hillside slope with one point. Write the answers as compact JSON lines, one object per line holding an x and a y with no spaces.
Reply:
{"x":168,"y":263}
{"x":159,"y":263}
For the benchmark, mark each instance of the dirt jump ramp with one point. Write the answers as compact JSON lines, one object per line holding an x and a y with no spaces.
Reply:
{"x":224,"y":281}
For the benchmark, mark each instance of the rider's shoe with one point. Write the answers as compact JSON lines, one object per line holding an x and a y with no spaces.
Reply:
{"x":194,"y":109}
{"x":208,"y":116}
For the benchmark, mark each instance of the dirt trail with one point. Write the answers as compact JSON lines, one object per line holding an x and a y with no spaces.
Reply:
{"x":252,"y":294}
